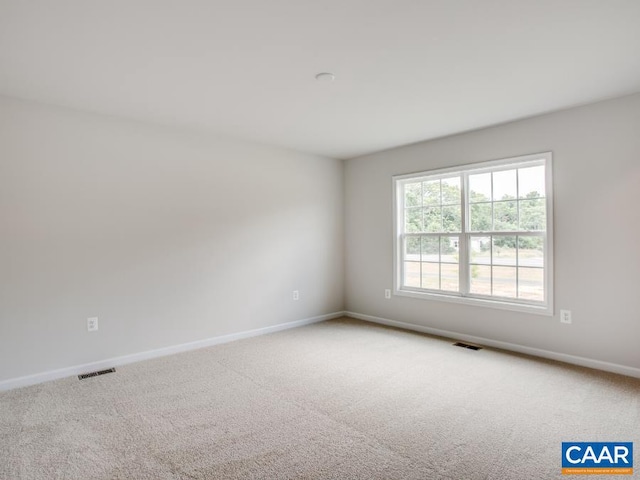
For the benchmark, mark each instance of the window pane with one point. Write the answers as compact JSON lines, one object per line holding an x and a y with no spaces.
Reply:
{"x":413,"y":220}
{"x":449,"y":247}
{"x":430,"y":249}
{"x":504,"y":233}
{"x":431,"y":275}
{"x":451,"y":221}
{"x":433,"y":219}
{"x":431,"y":192}
{"x":531,"y":284}
{"x":480,"y":187}
{"x":411,"y":274}
{"x":480,"y":280}
{"x":449,"y":277}
{"x":531,"y":182}
{"x":505,"y":216}
{"x":533,"y":215}
{"x":530,"y":251}
{"x":505,"y":185}
{"x":504,"y":250}
{"x":451,"y":190}
{"x":481,"y":250}
{"x":504,"y":282}
{"x":412,"y":249}
{"x":412,"y":194}
{"x":480,"y":217}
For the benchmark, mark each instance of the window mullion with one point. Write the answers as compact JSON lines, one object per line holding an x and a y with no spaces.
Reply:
{"x":463,"y":251}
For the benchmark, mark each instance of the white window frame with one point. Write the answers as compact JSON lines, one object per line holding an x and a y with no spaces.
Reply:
{"x":464,"y":297}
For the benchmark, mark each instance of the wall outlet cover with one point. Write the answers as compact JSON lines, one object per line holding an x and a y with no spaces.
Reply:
{"x":92,"y":324}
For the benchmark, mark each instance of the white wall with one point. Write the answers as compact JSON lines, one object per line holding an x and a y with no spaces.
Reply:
{"x":167,"y":236}
{"x":596,"y":152}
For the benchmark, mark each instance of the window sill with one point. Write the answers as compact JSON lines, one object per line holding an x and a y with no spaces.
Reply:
{"x":544,"y":310}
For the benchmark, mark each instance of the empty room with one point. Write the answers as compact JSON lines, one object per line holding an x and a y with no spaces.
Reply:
{"x":292,"y":239}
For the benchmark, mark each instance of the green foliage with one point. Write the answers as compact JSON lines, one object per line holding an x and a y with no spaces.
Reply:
{"x":447,"y":246}
{"x":431,"y":193}
{"x":412,"y":194}
{"x":413,"y":245}
{"x":480,"y":217}
{"x":475,"y":270}
{"x":505,"y":214}
{"x":533,"y":213}
{"x":504,"y":241}
{"x":531,"y":243}
{"x":421,"y":247}
{"x":413,"y":220}
{"x":433,"y":219}
{"x":475,"y":197}
{"x":430,"y":246}
{"x":434,"y":207}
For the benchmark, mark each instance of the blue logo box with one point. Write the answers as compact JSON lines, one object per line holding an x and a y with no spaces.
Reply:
{"x":596,"y":455}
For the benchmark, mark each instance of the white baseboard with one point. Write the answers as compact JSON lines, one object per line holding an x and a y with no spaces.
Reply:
{"x":536,"y":352}
{"x":160,"y":352}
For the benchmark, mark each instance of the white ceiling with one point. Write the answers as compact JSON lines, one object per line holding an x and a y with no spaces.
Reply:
{"x":407,"y":70}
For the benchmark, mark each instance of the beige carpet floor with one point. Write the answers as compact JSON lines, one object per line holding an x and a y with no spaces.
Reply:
{"x":340,"y":400}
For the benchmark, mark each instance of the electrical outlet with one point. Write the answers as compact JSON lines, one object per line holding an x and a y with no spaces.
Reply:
{"x":387,"y":294}
{"x":296,"y":295}
{"x":565,"y":316}
{"x":92,"y":324}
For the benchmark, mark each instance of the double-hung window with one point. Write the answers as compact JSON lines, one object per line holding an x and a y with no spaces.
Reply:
{"x":479,"y":234}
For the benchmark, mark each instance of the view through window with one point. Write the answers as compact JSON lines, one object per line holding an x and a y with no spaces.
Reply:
{"x":481,"y":231}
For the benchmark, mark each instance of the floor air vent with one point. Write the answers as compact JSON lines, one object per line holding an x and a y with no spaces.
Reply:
{"x":466,"y":345}
{"x":95,"y":374}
